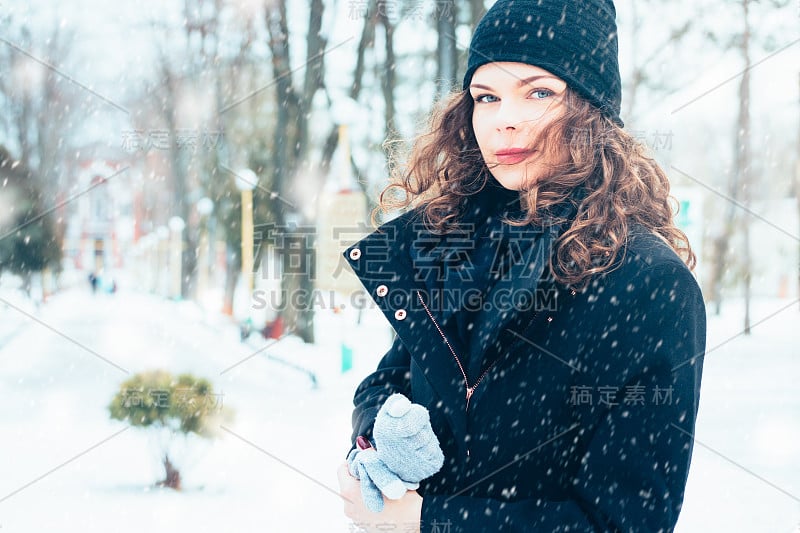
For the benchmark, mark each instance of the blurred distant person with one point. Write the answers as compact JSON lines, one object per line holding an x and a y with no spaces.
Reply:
{"x":93,"y":281}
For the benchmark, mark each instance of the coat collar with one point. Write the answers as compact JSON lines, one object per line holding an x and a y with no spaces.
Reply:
{"x":384,"y":264}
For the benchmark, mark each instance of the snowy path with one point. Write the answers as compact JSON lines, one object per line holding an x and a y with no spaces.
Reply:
{"x":56,"y":396}
{"x":275,"y":470}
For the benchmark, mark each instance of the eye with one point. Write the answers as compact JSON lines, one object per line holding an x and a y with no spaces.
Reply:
{"x":541,"y":94}
{"x":482,"y":98}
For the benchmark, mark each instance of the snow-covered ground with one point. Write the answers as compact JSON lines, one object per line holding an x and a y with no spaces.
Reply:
{"x":56,"y":395}
{"x":14,"y":304}
{"x":66,"y":466}
{"x":749,"y":415}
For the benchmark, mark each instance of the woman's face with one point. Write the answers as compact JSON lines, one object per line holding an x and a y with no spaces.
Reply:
{"x":513,"y":102}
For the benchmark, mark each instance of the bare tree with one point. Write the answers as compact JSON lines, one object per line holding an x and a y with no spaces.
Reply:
{"x":365,"y":43}
{"x":291,"y":147}
{"x":742,"y":169}
{"x":739,"y":182}
{"x":223,"y":63}
{"x":797,"y":193}
{"x":180,"y":204}
{"x":740,"y":187}
{"x":40,"y":113}
{"x":643,"y":74}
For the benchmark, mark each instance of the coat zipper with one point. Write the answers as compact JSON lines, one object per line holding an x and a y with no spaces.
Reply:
{"x":469,"y":389}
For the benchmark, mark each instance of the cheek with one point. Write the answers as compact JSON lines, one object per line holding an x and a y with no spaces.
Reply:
{"x":556,"y":148}
{"x":480,"y":131}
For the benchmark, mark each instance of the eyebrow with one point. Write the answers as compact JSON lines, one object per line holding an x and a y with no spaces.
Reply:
{"x":521,"y":82}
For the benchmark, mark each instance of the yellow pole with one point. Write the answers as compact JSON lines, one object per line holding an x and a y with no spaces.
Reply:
{"x":344,"y":146}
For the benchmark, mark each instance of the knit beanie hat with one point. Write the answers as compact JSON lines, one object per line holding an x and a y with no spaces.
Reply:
{"x":574,"y":39}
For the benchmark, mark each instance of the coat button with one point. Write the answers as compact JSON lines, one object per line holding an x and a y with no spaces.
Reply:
{"x":355,"y":253}
{"x":400,"y":314}
{"x":382,"y":290}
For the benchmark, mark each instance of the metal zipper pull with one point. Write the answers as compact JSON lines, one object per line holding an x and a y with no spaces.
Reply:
{"x":470,"y":390}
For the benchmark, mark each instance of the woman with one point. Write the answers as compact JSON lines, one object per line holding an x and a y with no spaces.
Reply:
{"x":545,"y":311}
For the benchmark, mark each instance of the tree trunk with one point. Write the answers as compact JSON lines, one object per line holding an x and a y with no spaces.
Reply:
{"x":233,"y":267}
{"x":172,"y":478}
{"x":313,"y":80}
{"x":366,"y":41}
{"x":27,"y":282}
{"x":290,"y":151}
{"x":447,"y":64}
{"x":738,"y":181}
{"x":743,"y":162}
{"x":219,"y":188}
{"x":797,"y":198}
{"x":476,"y":11}
{"x":388,"y":81}
{"x":180,"y":188}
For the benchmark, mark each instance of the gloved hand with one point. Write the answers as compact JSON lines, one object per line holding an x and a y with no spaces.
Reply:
{"x":376,"y":479}
{"x":406,"y":452}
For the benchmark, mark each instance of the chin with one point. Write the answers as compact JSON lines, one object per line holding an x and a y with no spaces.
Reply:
{"x":512,"y":181}
{"x":519,"y":178}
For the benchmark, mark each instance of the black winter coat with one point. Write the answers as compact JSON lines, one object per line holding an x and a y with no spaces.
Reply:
{"x":583,"y":420}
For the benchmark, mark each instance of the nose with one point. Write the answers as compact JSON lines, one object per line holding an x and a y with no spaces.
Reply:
{"x":507,"y":118}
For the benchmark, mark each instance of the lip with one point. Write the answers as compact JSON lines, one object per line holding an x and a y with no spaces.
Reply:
{"x":512,"y":156}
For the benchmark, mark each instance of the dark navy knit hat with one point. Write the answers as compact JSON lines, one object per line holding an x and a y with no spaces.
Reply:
{"x":574,"y":39}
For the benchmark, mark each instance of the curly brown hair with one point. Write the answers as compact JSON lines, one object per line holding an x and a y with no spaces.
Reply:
{"x":621,"y":184}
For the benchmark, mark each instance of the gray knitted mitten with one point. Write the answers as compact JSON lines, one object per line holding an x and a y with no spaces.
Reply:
{"x":406,"y":452}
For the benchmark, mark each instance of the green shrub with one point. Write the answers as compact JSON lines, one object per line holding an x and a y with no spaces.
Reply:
{"x":178,"y":405}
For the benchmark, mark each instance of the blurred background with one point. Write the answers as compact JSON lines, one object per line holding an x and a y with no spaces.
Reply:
{"x":178,"y":180}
